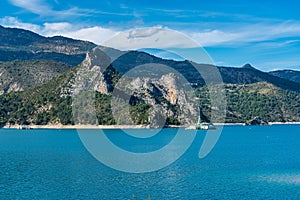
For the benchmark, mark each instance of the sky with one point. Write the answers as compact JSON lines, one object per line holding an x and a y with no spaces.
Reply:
{"x":265,"y":33}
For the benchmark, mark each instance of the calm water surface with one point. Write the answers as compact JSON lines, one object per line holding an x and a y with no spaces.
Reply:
{"x":246,"y":163}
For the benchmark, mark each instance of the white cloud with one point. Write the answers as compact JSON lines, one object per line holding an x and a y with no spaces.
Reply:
{"x":145,"y":32}
{"x":214,"y":37}
{"x":34,"y":6}
{"x":56,"y":28}
{"x":40,"y":7}
{"x":94,"y":34}
{"x":247,"y":33}
{"x":15,"y":23}
{"x":152,"y":37}
{"x":277,"y":65}
{"x":160,"y":37}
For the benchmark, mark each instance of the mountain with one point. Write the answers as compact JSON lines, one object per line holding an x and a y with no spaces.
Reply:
{"x":73,"y":59}
{"x":19,"y":75}
{"x":29,"y":60}
{"x":251,"y":75}
{"x":19,"y":44}
{"x":248,"y":66}
{"x":42,"y":79}
{"x":14,"y":39}
{"x":291,"y":75}
{"x":151,"y":99}
{"x":264,"y":100}
{"x":230,"y":75}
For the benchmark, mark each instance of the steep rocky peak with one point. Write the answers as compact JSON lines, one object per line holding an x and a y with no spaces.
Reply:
{"x":98,"y":57}
{"x":248,"y":66}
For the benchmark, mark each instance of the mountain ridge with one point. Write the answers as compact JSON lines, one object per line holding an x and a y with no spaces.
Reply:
{"x":249,"y":91}
{"x":16,"y":39}
{"x":291,"y":75}
{"x":125,"y":60}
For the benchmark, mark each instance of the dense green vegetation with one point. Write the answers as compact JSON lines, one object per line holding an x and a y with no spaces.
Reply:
{"x":45,"y":104}
{"x":103,"y":109}
{"x":245,"y":102}
{"x":44,"y":68}
{"x":40,"y":105}
{"x":139,"y":113}
{"x":73,"y":60}
{"x":29,"y":74}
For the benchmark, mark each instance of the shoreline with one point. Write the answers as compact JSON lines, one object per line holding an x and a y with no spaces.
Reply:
{"x":80,"y":126}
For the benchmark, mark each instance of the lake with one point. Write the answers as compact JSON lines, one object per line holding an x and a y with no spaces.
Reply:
{"x":247,"y":163}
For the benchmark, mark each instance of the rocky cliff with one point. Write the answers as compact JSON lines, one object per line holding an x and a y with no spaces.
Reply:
{"x":168,"y":95}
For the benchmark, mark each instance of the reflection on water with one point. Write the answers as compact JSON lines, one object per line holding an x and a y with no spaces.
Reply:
{"x":293,"y":179}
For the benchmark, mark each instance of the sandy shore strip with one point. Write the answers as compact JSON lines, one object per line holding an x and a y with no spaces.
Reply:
{"x":229,"y":124}
{"x":80,"y":126}
{"x":83,"y":126}
{"x":269,"y":123}
{"x":282,"y":123}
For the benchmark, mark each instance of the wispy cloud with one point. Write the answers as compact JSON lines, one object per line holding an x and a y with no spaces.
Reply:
{"x":144,"y":33}
{"x":15,"y":23}
{"x":249,"y":33}
{"x":207,"y":16}
{"x":34,"y":6}
{"x":237,"y":29}
{"x":277,"y":65}
{"x":151,"y":37}
{"x":40,"y":7}
{"x":160,"y":37}
{"x":94,"y":34}
{"x":252,"y":29}
{"x":266,"y":45}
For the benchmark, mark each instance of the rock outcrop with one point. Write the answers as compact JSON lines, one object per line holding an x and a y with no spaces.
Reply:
{"x":257,"y":121}
{"x":167,"y":94}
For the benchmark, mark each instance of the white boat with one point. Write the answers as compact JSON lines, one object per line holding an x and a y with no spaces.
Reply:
{"x":205,"y":126}
{"x":23,"y":127}
{"x":202,"y":125}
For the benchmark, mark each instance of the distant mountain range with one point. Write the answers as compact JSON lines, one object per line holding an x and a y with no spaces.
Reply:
{"x":20,"y":39}
{"x":22,"y":74}
{"x":37,"y":75}
{"x":287,"y":74}
{"x":19,"y":44}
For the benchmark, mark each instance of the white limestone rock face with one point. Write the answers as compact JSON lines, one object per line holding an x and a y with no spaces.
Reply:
{"x":168,"y":94}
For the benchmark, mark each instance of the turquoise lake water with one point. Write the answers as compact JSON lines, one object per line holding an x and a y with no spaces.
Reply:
{"x":246,"y":163}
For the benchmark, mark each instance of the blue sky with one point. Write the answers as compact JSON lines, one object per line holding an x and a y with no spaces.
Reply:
{"x":263,"y":33}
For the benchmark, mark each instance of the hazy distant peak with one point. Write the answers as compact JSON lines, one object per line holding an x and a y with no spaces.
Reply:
{"x":288,"y":74}
{"x":248,"y":66}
